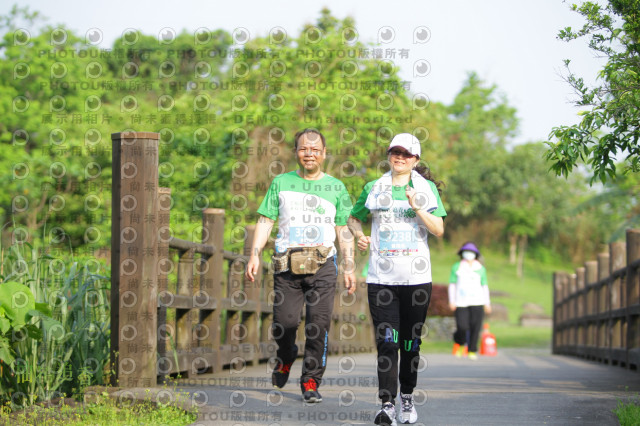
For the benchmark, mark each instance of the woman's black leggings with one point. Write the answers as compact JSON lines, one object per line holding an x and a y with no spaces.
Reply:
{"x":469,"y":323}
{"x":398,"y":313}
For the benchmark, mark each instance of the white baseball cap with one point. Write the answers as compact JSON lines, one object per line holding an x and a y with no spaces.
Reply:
{"x":406,"y":141}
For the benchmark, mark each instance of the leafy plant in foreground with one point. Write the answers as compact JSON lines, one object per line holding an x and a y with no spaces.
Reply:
{"x":54,"y":328}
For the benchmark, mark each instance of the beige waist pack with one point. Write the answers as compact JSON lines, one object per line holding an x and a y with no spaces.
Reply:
{"x":301,"y":260}
{"x":280,"y":262}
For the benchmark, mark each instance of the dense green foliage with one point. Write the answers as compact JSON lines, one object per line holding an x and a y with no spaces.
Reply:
{"x":226,"y":109}
{"x":610,"y":124}
{"x":54,"y":326}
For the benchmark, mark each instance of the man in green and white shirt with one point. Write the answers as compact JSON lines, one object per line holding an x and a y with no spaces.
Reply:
{"x":312,"y":209}
{"x":307,"y":211}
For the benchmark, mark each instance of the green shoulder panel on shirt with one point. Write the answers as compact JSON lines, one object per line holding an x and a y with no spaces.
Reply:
{"x":483,"y":276}
{"x":344,"y":203}
{"x":453,"y":278}
{"x":359,"y":211}
{"x":271,"y":203}
{"x":440,"y":211}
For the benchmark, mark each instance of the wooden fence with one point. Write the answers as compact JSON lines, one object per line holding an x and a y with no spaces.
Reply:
{"x":596,"y":311}
{"x":209,"y":317}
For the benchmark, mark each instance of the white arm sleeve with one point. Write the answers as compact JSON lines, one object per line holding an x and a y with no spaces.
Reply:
{"x":485,"y":290}
{"x":452,"y":293}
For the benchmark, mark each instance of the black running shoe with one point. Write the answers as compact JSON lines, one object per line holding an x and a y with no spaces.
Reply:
{"x":280,"y":374}
{"x":310,"y":391}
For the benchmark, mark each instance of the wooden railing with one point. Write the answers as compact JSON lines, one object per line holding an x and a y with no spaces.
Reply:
{"x":199,"y":315}
{"x":596,"y":310}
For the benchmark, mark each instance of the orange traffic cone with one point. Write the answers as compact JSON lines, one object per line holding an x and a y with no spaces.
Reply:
{"x":488,"y":344}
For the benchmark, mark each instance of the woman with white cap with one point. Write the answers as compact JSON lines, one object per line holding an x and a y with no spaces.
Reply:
{"x":405,"y":207}
{"x":469,"y":298}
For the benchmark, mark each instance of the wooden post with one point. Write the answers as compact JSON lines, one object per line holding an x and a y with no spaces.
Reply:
{"x":566,"y":312}
{"x":164,"y":267}
{"x":134,"y":278}
{"x":213,"y":234}
{"x":591,"y":276}
{"x":601,"y":305}
{"x":581,"y":301}
{"x":564,"y":285}
{"x":572,"y":309}
{"x":185,"y":317}
{"x":267,"y":345}
{"x":571,"y":292}
{"x":251,"y":316}
{"x":235,"y":331}
{"x":602,"y":292}
{"x":617,"y":260}
{"x":633,"y":254}
{"x":557,"y":312}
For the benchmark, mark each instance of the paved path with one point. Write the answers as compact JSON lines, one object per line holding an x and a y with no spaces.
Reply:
{"x":517,"y":387}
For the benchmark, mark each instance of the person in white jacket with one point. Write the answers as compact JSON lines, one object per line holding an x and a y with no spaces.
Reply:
{"x":469,"y":298}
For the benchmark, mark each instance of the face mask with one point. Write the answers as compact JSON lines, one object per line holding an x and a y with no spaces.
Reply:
{"x":468,"y":255}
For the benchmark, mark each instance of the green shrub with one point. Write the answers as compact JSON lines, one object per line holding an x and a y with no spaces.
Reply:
{"x":629,"y":413}
{"x":54,"y":326}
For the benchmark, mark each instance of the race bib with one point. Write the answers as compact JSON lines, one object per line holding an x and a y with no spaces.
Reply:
{"x":306,"y":235}
{"x":397,"y":243}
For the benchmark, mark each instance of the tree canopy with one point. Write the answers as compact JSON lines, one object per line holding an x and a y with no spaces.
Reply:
{"x":610,"y":125}
{"x":226,"y":110}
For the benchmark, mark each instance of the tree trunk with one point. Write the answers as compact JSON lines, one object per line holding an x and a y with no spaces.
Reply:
{"x":513,"y":249}
{"x":522,"y":249}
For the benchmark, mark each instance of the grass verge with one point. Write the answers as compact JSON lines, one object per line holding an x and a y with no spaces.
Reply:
{"x":629,"y":413}
{"x":101,"y":411}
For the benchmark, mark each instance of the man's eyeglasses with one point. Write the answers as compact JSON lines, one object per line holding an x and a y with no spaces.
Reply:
{"x":314,"y":152}
{"x":403,"y":154}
